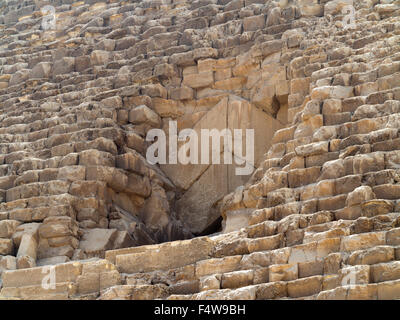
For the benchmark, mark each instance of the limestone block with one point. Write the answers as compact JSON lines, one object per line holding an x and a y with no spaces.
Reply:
{"x":52,"y":261}
{"x":300,"y":86}
{"x":210,"y":282}
{"x":311,"y":109}
{"x":230,"y":84}
{"x":222,"y":265}
{"x":312,"y":268}
{"x":223,"y":74}
{"x":236,"y":219}
{"x":123,"y":240}
{"x":354,"y":275}
{"x":253,"y":23}
{"x":154,"y":91}
{"x":336,"y":6}
{"x":30,"y":177}
{"x":72,"y":173}
{"x":362,"y":292}
{"x":27,"y":252}
{"x":261,"y":275}
{"x":67,"y":272}
{"x":88,"y":283}
{"x":307,"y":128}
{"x":184,"y":287}
{"x":95,"y":242}
{"x":387,"y":69}
{"x":263,"y":98}
{"x":386,"y":8}
{"x":6,"y":247}
{"x":189,"y":209}
{"x":64,"y":65}
{"x":362,"y":241}
{"x":327,"y":246}
{"x":115,"y":178}
{"x":368,"y":162}
{"x":293,"y":37}
{"x":389,"y":290}
{"x":393,"y":237}
{"x":366,"y":89}
{"x":372,"y":256}
{"x":201,"y":80}
{"x":359,"y":195}
{"x":41,"y":70}
{"x":169,"y":255}
{"x":312,"y":149}
{"x":265,"y":259}
{"x":301,"y":177}
{"x":19,"y":77}
{"x":156,"y":210}
{"x":82,"y":63}
{"x":331,"y":106}
{"x":274,"y":17}
{"x":7,"y":263}
{"x":99,"y":57}
{"x":143,"y":114}
{"x":387,"y":191}
{"x":332,"y":263}
{"x":203,"y":53}
{"x":138,"y":185}
{"x":273,"y":290}
{"x":376,"y":207}
{"x":385,"y":271}
{"x":312,"y":8}
{"x":332,"y":169}
{"x":109,"y":279}
{"x":132,"y":161}
{"x":88,"y":188}
{"x":266,"y":243}
{"x":62,"y":291}
{"x":112,"y":102}
{"x":58,"y":226}
{"x":167,"y":108}
{"x":165,"y":70}
{"x":280,"y":196}
{"x":91,"y":158}
{"x":304,"y":287}
{"x":335,"y":92}
{"x":182,"y":93}
{"x":134,"y":141}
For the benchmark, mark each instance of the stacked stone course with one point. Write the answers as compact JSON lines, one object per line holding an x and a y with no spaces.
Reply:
{"x":319,"y":217}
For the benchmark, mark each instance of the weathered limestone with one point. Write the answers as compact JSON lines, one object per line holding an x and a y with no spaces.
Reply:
{"x":95,"y":242}
{"x":27,"y":252}
{"x":142,"y":259}
{"x":317,"y":218}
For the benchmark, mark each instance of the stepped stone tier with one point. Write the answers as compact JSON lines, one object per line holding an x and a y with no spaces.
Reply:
{"x":84,"y":215}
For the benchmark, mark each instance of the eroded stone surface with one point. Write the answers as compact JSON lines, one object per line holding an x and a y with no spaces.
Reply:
{"x":317,"y":219}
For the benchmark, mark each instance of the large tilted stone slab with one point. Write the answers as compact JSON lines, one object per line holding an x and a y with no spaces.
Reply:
{"x":161,"y":257}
